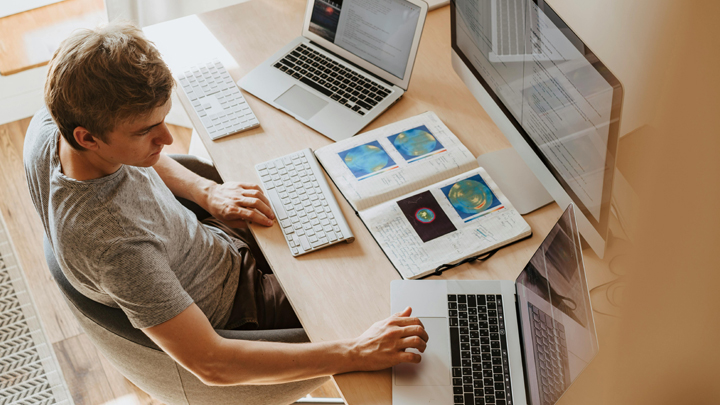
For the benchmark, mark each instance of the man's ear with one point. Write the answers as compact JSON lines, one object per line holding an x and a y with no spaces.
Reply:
{"x":85,"y":139}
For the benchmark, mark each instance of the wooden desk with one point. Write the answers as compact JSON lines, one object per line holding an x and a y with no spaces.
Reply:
{"x":338,"y":292}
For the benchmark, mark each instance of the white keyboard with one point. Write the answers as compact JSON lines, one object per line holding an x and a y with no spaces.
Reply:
{"x":217,"y":100}
{"x":304,"y":205}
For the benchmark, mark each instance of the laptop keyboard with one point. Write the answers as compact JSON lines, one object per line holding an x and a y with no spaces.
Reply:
{"x":551,"y":359}
{"x":480,"y":371}
{"x":349,"y":88}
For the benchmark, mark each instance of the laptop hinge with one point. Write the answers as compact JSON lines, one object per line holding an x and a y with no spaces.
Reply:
{"x":522,"y":345}
{"x":369,"y":73}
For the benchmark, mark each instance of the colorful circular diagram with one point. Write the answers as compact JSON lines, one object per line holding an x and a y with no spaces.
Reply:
{"x":425,"y":215}
{"x":470,"y":196}
{"x":415,"y":142}
{"x":366,"y":158}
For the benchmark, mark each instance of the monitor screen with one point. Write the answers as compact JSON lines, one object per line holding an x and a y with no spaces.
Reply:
{"x":552,"y":88}
{"x":378,"y":31}
{"x":558,"y":330}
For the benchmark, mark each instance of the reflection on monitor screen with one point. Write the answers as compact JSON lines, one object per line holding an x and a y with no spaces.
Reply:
{"x":558,"y":329}
{"x":558,"y":104}
{"x":548,"y":85}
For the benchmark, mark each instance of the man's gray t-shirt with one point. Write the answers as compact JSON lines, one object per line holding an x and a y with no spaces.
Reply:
{"x":124,"y":240}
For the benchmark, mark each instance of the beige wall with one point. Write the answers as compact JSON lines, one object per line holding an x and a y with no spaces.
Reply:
{"x":631,"y":38}
{"x":665,"y":349}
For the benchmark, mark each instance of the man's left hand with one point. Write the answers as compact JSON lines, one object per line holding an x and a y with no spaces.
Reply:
{"x":235,"y":202}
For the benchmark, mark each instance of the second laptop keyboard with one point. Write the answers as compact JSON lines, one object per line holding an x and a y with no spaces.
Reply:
{"x":551,"y":358}
{"x":346,"y":86}
{"x":304,"y":204}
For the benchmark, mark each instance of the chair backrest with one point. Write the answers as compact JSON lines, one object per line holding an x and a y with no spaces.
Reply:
{"x":112,"y":319}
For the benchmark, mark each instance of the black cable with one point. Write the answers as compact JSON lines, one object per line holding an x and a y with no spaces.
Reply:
{"x":482,"y":257}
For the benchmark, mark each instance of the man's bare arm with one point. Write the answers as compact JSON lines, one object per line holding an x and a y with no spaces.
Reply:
{"x":191,"y":341}
{"x":232,"y":203}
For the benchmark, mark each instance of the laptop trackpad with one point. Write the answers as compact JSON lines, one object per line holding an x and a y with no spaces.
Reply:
{"x":434,"y":369}
{"x":301,"y":102}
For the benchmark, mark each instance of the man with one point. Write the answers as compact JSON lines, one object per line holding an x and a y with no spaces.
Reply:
{"x":106,"y":196}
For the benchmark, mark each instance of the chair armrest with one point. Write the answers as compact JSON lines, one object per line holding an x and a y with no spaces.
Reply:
{"x":273,"y":335}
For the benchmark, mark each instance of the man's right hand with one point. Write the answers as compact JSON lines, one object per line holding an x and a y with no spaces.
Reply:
{"x":383,"y":344}
{"x":233,"y":203}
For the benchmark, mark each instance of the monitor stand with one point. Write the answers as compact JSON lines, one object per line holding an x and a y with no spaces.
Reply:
{"x":515,"y":179}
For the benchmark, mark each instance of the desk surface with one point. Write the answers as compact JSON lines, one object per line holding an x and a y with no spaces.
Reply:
{"x":338,"y":292}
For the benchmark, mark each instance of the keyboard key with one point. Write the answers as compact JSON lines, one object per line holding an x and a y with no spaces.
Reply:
{"x":304,"y":242}
{"x":317,"y":87}
{"x":455,"y":346}
{"x":277,"y":205}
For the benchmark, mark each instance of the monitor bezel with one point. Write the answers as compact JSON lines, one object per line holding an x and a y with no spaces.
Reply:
{"x":385,"y":75}
{"x":601,"y":225}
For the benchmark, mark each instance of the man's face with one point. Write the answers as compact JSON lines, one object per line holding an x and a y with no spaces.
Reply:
{"x":138,"y":141}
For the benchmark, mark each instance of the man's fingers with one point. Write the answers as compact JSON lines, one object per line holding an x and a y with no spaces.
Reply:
{"x":405,"y":312}
{"x":256,"y":194}
{"x":415,"y":330}
{"x":410,"y":357}
{"x":412,"y":342}
{"x":406,"y":321}
{"x":258,"y":204}
{"x":249,"y":186}
{"x":255,"y":217}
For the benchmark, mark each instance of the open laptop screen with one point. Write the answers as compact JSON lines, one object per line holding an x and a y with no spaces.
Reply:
{"x":378,"y":31}
{"x":556,"y":317}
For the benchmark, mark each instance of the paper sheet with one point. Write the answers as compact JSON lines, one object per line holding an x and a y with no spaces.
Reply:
{"x":394,"y":160}
{"x":444,"y":223}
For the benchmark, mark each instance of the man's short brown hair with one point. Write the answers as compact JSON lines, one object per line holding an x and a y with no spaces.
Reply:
{"x":99,"y":78}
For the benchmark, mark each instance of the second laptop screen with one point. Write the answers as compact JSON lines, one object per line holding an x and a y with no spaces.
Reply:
{"x":378,"y":31}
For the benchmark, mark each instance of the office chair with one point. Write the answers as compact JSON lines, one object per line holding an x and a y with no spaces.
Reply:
{"x":142,"y":362}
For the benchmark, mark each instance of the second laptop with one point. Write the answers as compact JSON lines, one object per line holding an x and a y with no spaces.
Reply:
{"x":352,"y":62}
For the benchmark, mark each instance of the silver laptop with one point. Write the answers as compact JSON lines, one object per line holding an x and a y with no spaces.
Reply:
{"x":499,"y":342}
{"x":352,"y":62}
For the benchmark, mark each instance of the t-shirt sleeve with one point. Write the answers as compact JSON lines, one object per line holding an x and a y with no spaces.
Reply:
{"x":136,"y":274}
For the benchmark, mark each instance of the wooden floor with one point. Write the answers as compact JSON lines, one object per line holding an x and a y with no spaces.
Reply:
{"x":28,"y":39}
{"x":90,"y":377}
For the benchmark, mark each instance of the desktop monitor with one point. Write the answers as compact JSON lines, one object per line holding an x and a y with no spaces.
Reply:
{"x":555,"y":101}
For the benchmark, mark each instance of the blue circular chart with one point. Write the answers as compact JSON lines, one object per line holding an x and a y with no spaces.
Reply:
{"x":366,"y":158}
{"x":470,"y":196}
{"x":425,"y":215}
{"x":415,"y":142}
